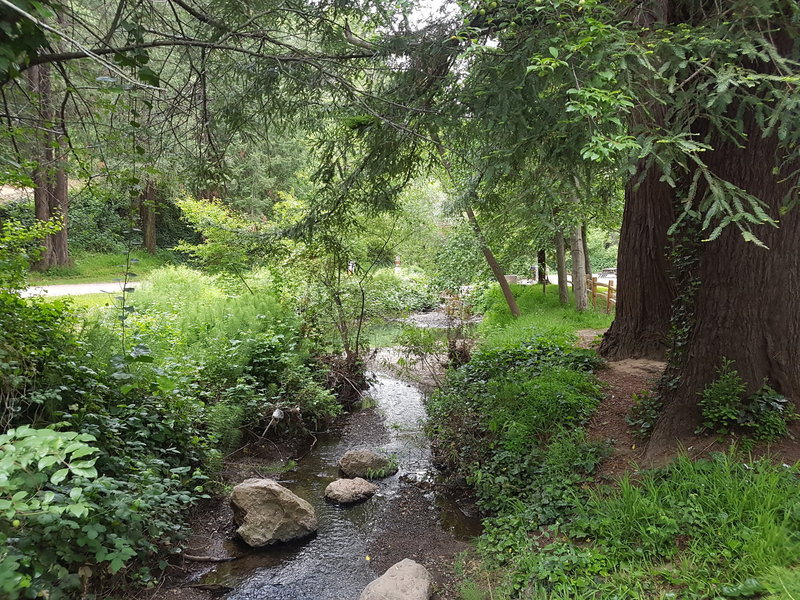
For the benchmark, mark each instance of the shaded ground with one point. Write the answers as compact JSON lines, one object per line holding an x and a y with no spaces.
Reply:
{"x":621,"y":380}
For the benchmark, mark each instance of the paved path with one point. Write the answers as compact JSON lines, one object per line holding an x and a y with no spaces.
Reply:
{"x":76,"y":289}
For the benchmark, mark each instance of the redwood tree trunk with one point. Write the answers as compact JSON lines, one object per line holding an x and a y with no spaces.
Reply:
{"x":561,"y":268}
{"x":39,"y":84}
{"x":50,"y":197}
{"x":59,"y":208}
{"x":645,"y":290}
{"x":745,"y":309}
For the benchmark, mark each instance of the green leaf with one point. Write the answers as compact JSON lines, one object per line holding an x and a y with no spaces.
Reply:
{"x":59,"y":476}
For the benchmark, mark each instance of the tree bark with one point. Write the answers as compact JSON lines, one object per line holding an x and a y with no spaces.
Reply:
{"x":586,"y":260}
{"x":645,"y":290}
{"x":561,"y":268}
{"x":499,"y":275}
{"x":541,"y":259}
{"x":745,"y":308}
{"x":39,"y":84}
{"x":148,"y":202}
{"x":59,"y":209}
{"x":578,"y":270}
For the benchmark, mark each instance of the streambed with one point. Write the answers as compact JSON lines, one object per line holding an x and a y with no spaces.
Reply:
{"x":406,"y":515}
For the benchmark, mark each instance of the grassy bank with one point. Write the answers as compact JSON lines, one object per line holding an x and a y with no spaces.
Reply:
{"x":511,"y":424}
{"x":99,"y":268}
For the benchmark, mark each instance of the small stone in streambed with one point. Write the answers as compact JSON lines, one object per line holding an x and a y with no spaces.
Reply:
{"x":349,"y":491}
{"x":366,"y":463}
{"x":406,"y":580}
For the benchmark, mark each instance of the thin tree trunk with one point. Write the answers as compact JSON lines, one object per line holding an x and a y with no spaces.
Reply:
{"x":542,"y":260}
{"x":39,"y":83}
{"x":586,"y":260}
{"x":499,"y":275}
{"x":59,"y":209}
{"x":147,"y":213}
{"x":578,"y":270}
{"x":561,"y":268}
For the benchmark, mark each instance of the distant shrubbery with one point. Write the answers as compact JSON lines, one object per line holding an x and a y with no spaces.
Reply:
{"x":407,"y":291}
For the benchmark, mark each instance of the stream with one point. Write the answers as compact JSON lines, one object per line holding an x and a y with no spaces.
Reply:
{"x":333,"y":565}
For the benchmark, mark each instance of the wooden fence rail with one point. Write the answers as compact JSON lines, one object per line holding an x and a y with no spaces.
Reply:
{"x":607,"y":292}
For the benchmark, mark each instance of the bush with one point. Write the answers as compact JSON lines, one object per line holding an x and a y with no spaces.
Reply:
{"x":764,"y":415}
{"x":494,"y":420}
{"x":408,"y":291}
{"x":36,"y":348}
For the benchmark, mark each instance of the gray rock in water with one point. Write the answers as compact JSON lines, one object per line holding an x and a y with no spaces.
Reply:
{"x":348,"y":491}
{"x":267,"y":512}
{"x":366,"y":463}
{"x":406,"y":580}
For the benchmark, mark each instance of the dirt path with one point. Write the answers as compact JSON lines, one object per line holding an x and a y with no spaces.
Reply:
{"x":75,"y":289}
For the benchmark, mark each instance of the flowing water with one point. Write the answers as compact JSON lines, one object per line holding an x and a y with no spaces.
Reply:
{"x":333,"y":564}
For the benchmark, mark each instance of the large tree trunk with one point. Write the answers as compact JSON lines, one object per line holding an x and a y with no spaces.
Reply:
{"x":745,"y":309}
{"x":578,"y":270}
{"x":561,"y":268}
{"x":39,"y":84}
{"x":497,"y":271}
{"x":645,"y":290}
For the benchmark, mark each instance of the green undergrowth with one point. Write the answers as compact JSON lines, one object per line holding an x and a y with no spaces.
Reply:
{"x":113,"y":421}
{"x":510,"y":423}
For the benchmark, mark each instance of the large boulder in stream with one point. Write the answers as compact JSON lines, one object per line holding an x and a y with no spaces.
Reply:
{"x":349,"y":491}
{"x":267,"y":512}
{"x":366,"y":463}
{"x":406,"y":580}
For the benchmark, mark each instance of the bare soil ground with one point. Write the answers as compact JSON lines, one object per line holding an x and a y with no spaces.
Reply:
{"x":621,"y":380}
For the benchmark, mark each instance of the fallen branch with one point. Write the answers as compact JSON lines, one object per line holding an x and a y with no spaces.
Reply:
{"x":214,"y":559}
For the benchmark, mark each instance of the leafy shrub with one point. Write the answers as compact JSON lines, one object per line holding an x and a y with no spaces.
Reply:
{"x":19,"y":246}
{"x":98,"y":218}
{"x":389,"y":292}
{"x":764,"y":415}
{"x":36,"y":344}
{"x":721,"y":400}
{"x":496,"y":417}
{"x":767,"y":414}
